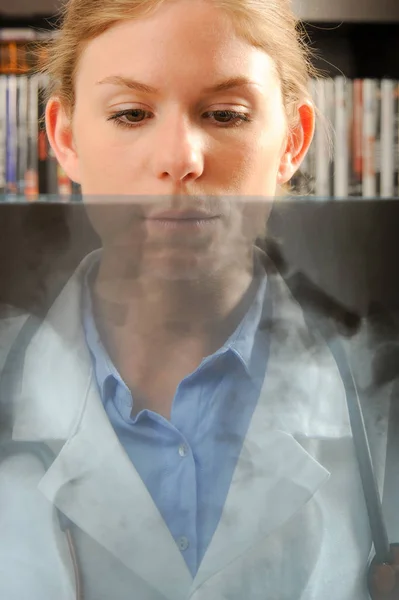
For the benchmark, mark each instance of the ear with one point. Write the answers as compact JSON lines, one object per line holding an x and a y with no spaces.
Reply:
{"x":298,"y":142}
{"x":60,"y":135}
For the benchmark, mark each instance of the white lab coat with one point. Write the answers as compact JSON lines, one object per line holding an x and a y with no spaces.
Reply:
{"x":294,"y":525}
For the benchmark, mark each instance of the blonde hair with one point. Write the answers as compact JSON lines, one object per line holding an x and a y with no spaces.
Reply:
{"x":266,"y":24}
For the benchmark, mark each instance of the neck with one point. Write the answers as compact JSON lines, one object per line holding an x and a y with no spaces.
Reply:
{"x":157,"y":329}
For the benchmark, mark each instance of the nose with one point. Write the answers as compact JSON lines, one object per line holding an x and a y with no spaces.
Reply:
{"x":177,"y":154}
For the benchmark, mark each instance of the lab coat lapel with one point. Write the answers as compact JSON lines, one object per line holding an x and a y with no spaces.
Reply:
{"x":275,"y":476}
{"x":92,"y":480}
{"x":94,"y":483}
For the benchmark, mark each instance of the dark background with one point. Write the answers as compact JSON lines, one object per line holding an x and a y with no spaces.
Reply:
{"x":348,"y":248}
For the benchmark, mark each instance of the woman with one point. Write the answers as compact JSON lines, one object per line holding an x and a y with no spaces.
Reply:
{"x":200,"y":432}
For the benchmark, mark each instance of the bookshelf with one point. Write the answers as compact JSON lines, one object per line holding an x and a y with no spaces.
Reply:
{"x":354,"y":39}
{"x":353,"y":57}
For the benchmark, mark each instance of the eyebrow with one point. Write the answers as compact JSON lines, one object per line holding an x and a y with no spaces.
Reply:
{"x":132,"y":84}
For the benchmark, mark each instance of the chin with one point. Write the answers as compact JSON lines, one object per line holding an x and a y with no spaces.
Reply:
{"x":189,"y":267}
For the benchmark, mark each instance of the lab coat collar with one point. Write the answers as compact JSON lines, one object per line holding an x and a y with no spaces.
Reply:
{"x":94,"y":483}
{"x":57,"y":369}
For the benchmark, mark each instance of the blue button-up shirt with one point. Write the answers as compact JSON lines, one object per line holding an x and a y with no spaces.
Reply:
{"x":187,"y":462}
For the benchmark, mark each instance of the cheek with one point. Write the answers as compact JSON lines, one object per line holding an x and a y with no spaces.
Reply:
{"x":267,"y":158}
{"x":107,"y":163}
{"x":251,"y":167}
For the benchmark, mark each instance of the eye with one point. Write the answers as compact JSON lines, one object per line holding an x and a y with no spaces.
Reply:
{"x":229,"y":118}
{"x":134,"y":117}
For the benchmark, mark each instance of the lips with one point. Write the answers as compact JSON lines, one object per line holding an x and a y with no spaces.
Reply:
{"x":179,"y":215}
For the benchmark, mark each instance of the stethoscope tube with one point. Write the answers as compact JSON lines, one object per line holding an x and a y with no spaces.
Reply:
{"x":383,"y":570}
{"x":46,"y":457}
{"x":372,"y":498}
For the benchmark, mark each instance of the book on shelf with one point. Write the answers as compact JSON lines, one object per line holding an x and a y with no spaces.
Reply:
{"x":341,"y":115}
{"x":356,"y":139}
{"x":31,"y":174}
{"x":324,"y":162}
{"x":22,"y":141}
{"x":389,"y":138}
{"x":370,"y":138}
{"x":363,"y":116}
{"x":11,"y":135}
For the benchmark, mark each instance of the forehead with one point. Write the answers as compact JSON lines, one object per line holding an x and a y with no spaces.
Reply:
{"x":182,"y":41}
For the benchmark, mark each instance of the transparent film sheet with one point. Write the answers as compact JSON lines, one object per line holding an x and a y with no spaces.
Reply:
{"x":198,"y":397}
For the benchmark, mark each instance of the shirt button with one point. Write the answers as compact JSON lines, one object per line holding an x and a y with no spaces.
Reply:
{"x":183,"y":543}
{"x":183,"y":450}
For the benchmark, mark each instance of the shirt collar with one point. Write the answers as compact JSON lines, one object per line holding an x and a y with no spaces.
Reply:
{"x":107,"y":376}
{"x":242,"y":344}
{"x":243,"y":340}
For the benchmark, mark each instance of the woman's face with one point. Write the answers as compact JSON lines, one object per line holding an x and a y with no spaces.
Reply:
{"x":176,"y":112}
{"x":180,"y":135}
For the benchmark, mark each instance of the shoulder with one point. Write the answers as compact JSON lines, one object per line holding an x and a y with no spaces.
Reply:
{"x":319,"y":308}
